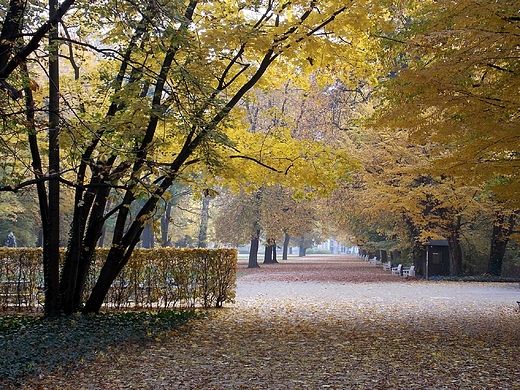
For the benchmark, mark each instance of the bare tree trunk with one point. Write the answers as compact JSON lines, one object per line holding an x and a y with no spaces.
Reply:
{"x":270,"y":252}
{"x":286,"y":240}
{"x":253,"y":252}
{"x":52,"y":245}
{"x":204,"y":219}
{"x":303,"y":249}
{"x":503,"y":226}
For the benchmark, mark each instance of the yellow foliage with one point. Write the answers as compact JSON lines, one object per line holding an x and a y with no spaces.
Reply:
{"x":166,"y":277}
{"x":457,"y":88}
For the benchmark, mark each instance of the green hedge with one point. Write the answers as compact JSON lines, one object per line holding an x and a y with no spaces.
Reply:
{"x":153,"y":278}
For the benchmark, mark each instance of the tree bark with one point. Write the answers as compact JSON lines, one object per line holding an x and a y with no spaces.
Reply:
{"x":52,"y":268}
{"x":503,"y":226}
{"x":253,"y":252}
{"x":286,"y":239}
{"x":270,"y":252}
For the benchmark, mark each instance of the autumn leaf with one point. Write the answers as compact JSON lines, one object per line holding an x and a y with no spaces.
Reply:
{"x":343,"y":325}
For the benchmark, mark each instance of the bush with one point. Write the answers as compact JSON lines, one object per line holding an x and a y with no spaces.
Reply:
{"x":153,"y":278}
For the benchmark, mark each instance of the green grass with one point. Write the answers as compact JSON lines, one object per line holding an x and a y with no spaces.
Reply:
{"x":34,"y":345}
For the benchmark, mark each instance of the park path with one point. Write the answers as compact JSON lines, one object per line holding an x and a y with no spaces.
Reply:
{"x":335,"y":323}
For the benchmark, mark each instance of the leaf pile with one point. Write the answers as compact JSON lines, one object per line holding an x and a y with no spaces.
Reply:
{"x":32,"y":345}
{"x":318,"y":335}
{"x":319,"y":269}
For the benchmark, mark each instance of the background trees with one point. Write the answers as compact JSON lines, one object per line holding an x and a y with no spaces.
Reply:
{"x":450,"y":95}
{"x":210,"y":95}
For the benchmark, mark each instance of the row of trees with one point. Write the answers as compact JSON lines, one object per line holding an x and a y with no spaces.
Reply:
{"x":441,"y":160}
{"x":127,"y":103}
{"x":438,"y":141}
{"x":112,"y":103}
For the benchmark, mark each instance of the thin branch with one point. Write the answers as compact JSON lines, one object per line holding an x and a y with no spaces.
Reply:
{"x":257,"y":162}
{"x":34,"y":43}
{"x":56,"y":176}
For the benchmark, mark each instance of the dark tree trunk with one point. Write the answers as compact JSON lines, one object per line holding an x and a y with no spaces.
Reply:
{"x":253,"y":252}
{"x":123,"y":244}
{"x":503,"y":226}
{"x":116,"y":259}
{"x":286,"y":240}
{"x":270,"y":252}
{"x":52,"y":267}
{"x":101,"y":240}
{"x":165,"y":226}
{"x":303,"y":248}
{"x":43,"y":200}
{"x":10,"y":30}
{"x":89,"y":206}
{"x":92,"y":235}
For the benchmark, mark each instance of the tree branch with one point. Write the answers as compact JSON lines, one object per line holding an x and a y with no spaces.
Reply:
{"x":258,"y":162}
{"x":33,"y":44}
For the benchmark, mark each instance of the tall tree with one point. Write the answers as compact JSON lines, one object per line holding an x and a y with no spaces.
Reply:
{"x":154,"y":105}
{"x":453,"y":87}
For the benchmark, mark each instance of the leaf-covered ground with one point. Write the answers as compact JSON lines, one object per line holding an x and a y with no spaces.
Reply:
{"x":326,"y":324}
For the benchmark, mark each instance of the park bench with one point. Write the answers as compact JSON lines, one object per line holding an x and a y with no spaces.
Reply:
{"x":387,"y":266}
{"x":409,"y":271}
{"x":397,"y":270}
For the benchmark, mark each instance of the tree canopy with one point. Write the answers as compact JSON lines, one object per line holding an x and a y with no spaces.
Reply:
{"x":142,"y":96}
{"x":454,"y":85}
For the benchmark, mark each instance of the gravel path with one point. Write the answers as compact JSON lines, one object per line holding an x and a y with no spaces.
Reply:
{"x":344,"y":279}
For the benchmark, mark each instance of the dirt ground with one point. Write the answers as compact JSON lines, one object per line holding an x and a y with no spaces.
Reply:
{"x":328,"y":323}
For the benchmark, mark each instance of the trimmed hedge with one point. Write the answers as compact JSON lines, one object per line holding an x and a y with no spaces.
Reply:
{"x":153,"y":278}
